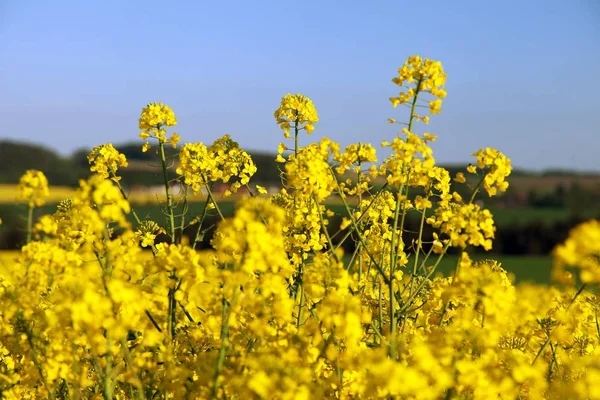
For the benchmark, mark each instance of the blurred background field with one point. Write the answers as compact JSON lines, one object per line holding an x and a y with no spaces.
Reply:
{"x":533,"y":216}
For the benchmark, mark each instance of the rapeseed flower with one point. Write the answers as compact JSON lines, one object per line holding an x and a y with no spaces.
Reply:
{"x":296,"y":110}
{"x":33,"y":188}
{"x":105,"y":160}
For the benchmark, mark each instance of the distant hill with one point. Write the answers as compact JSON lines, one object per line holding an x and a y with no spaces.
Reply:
{"x":144,"y":168}
{"x":18,"y":157}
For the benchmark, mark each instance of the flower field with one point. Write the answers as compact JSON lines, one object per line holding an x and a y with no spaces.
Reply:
{"x":94,"y":306}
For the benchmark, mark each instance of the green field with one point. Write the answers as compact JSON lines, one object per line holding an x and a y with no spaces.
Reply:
{"x":534,"y":269}
{"x":508,"y":216}
{"x":524,"y":268}
{"x":503,"y":217}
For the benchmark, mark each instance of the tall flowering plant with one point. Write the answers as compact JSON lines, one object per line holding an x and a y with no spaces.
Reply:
{"x":277,"y":310}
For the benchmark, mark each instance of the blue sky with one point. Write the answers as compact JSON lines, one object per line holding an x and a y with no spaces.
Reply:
{"x":523,"y":76}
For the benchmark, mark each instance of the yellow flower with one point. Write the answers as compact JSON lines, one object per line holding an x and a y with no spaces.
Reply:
{"x":460,"y":178}
{"x":33,"y":188}
{"x":435,"y":106}
{"x":581,"y":249}
{"x":498,"y":168}
{"x":105,"y":160}
{"x":429,"y":137}
{"x":175,"y":138}
{"x":345,"y":223}
{"x":222,"y":161}
{"x":281,"y":147}
{"x":153,"y":120}
{"x":424,"y":75}
{"x":296,"y":110}
{"x":147,"y":232}
{"x":156,"y":115}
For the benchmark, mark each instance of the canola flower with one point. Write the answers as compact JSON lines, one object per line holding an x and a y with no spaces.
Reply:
{"x":298,"y":111}
{"x":224,"y":160}
{"x":153,"y":120}
{"x":105,"y":160}
{"x":276,"y":310}
{"x":33,"y":189}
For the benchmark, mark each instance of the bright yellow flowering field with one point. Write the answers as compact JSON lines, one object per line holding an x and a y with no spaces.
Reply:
{"x":56,"y":193}
{"x":8,"y":193}
{"x":276,"y":310}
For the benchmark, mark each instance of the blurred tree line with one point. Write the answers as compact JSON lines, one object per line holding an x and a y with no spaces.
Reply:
{"x":143,"y":170}
{"x":537,"y":237}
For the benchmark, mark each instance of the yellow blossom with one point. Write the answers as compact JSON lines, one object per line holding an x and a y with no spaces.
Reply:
{"x":296,"y":110}
{"x":33,"y":188}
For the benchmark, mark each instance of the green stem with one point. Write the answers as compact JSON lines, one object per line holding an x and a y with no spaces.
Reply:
{"x":419,"y":243}
{"x":296,"y":136}
{"x":184,"y":211}
{"x":107,"y":390}
{"x":394,"y":250}
{"x":363,"y":215}
{"x":412,"y":295}
{"x":325,"y":232}
{"x":377,"y":265}
{"x":153,"y":321}
{"x":414,"y":104}
{"x":226,"y":316}
{"x":29,"y":222}
{"x":199,"y":233}
{"x":393,"y":255}
{"x":476,"y":190}
{"x":172,"y":308}
{"x":163,"y":160}
{"x":380,"y":308}
{"x":212,"y":199}
{"x":539,"y":353}
{"x":137,"y":219}
{"x":301,"y":305}
{"x":37,"y":363}
{"x":170,"y":316}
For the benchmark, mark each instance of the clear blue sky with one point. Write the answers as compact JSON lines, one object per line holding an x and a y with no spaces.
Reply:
{"x":523,"y":76}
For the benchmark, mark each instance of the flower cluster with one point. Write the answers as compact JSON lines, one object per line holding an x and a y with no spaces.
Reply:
{"x":412,"y":164}
{"x":252,"y":239}
{"x":309,"y":171}
{"x":105,"y":160}
{"x":147,"y":232}
{"x":581,"y":249}
{"x":354,"y":156}
{"x":222,"y":161}
{"x":497,"y":168}
{"x":427,"y":76}
{"x":298,"y":111}
{"x":153,"y":120}
{"x":33,"y":188}
{"x":465,"y":224}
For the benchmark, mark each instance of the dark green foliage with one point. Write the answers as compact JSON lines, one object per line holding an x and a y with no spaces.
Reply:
{"x":16,"y":158}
